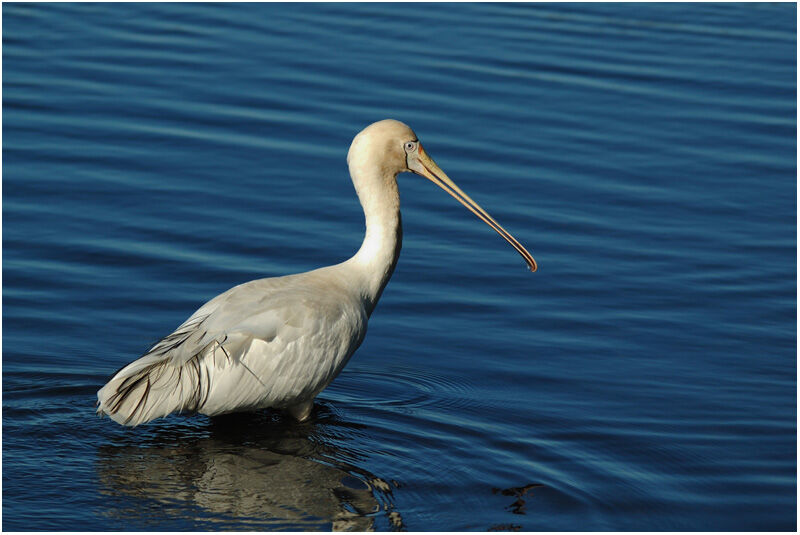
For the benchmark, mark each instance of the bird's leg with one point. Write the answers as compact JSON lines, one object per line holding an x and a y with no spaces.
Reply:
{"x":301,"y":411}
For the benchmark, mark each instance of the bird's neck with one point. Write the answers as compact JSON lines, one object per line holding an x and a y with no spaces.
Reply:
{"x":375,"y":261}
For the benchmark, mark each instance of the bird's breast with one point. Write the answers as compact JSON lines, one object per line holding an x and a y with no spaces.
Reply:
{"x":291,"y":362}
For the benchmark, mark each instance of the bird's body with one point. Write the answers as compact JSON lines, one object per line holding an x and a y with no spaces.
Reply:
{"x":278,"y":342}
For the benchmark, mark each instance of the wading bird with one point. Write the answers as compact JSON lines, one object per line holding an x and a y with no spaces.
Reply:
{"x":279,"y":342}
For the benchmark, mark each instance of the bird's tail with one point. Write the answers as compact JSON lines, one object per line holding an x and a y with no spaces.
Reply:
{"x":151,"y":387}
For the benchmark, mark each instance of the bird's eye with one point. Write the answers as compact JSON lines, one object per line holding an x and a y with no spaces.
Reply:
{"x":410,"y":146}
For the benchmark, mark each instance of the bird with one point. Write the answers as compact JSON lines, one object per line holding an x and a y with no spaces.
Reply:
{"x":278,"y":342}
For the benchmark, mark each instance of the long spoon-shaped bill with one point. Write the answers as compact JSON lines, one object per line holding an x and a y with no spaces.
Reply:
{"x":425,"y":166}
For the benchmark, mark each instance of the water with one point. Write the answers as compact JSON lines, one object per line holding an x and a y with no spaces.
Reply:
{"x":645,"y":378}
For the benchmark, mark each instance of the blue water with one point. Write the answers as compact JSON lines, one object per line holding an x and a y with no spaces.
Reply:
{"x":644,"y":378}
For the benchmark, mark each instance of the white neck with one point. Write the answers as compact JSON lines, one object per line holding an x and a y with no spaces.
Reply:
{"x":374,"y":262}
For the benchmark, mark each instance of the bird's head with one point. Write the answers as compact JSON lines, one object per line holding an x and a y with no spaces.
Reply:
{"x":391,"y":147}
{"x":381,"y":146}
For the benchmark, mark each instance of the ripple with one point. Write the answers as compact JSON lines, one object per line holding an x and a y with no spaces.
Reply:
{"x":400,"y":389}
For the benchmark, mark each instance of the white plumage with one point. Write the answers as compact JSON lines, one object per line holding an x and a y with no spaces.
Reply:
{"x":279,"y":342}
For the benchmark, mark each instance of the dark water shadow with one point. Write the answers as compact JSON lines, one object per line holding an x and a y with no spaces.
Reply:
{"x":246,"y":471}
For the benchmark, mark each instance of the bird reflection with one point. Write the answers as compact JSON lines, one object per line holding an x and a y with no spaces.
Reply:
{"x":246,"y":470}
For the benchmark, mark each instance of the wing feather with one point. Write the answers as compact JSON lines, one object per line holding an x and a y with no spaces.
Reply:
{"x":270,"y":342}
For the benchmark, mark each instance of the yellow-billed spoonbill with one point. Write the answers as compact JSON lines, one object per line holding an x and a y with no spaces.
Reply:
{"x":279,"y":342}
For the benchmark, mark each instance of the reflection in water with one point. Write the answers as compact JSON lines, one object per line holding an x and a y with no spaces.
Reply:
{"x":518,"y":507}
{"x":254,"y":470}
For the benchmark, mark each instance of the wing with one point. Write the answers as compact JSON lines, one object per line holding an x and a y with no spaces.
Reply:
{"x":271,"y":342}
